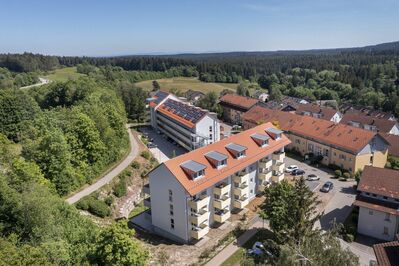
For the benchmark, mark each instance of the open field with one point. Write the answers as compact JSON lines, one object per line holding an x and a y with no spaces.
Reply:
{"x":184,"y":84}
{"x":63,"y":74}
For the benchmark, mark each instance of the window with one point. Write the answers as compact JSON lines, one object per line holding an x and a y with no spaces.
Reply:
{"x":387,"y":217}
{"x":172,"y":223}
{"x":375,"y":195}
{"x":240,"y":154}
{"x":310,"y":147}
{"x":210,"y":128}
{"x":385,"y":230}
{"x":371,"y":212}
{"x":326,"y":152}
{"x":222,"y":163}
{"x":171,"y":209}
{"x":297,"y":141}
{"x":252,"y":191}
{"x":210,"y":136}
{"x":368,"y":194}
{"x":252,"y":180}
{"x":385,"y":198}
{"x":170,"y":195}
{"x":198,"y":174}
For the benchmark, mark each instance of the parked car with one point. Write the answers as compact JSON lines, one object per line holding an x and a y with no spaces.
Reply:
{"x":259,"y":249}
{"x":151,"y":145}
{"x":312,"y":177}
{"x":327,"y":187}
{"x":291,"y":168}
{"x":298,"y":172}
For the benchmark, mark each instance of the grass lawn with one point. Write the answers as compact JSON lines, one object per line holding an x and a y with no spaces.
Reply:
{"x":184,"y":84}
{"x":64,"y":74}
{"x":138,"y":209}
{"x":234,"y":260}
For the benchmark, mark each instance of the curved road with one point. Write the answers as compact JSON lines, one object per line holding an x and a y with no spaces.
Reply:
{"x":42,"y":81}
{"x":111,"y":174}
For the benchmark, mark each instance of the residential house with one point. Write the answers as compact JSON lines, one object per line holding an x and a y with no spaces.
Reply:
{"x":193,"y":96}
{"x":316,"y":111}
{"x":189,"y":126}
{"x":348,"y":147}
{"x":378,"y":203}
{"x":366,"y":111}
{"x":195,"y":191}
{"x":387,"y":253}
{"x":287,"y":104}
{"x":368,"y":122}
{"x":234,"y":106}
{"x":393,"y":144}
{"x":261,"y":96}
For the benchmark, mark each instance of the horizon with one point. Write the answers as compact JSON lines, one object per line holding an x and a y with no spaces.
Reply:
{"x":104,"y":29}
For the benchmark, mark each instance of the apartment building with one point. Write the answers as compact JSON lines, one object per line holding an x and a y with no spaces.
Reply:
{"x":376,"y":124}
{"x":314,"y":110}
{"x":189,"y":126}
{"x":195,"y":191}
{"x":234,"y":106}
{"x":348,"y":147}
{"x":378,"y":203}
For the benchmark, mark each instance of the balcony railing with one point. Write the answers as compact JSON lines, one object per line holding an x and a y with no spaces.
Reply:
{"x":240,"y":178}
{"x":241,"y":203}
{"x":221,"y":216}
{"x":241,"y":190}
{"x":265,"y":165}
{"x":200,"y":231}
{"x":278,"y":167}
{"x":278,"y":156}
{"x":222,"y":189}
{"x":199,"y":217}
{"x":277,"y":177}
{"x":200,"y":202}
{"x":221,"y":203}
{"x":265,"y":176}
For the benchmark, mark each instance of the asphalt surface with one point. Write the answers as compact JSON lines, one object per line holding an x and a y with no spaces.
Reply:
{"x":111,"y":174}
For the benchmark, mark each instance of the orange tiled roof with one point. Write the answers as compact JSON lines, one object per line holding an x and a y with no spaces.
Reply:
{"x":376,"y":204}
{"x":213,"y":175}
{"x":326,"y":112}
{"x":239,"y":101}
{"x":382,"y":124}
{"x":393,"y":141}
{"x":387,"y":253}
{"x":341,"y":136}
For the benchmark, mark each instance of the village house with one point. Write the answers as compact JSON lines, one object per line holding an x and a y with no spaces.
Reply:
{"x":234,"y":106}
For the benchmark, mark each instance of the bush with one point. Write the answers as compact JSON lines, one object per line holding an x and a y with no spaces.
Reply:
{"x":143,"y":174}
{"x":99,"y":208}
{"x":120,"y":189}
{"x":349,"y":238}
{"x":135,"y":165}
{"x":338,"y":173}
{"x":346,"y":175}
{"x":109,"y":200}
{"x":83,"y":204}
{"x":145,"y":155}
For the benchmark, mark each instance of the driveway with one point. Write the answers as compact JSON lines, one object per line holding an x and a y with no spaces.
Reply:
{"x":110,"y":175}
{"x":165,"y":149}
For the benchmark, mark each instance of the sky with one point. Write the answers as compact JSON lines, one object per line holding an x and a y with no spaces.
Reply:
{"x":123,"y":27}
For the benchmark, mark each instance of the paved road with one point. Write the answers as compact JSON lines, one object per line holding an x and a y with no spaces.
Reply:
{"x":41,"y":82}
{"x":110,"y":175}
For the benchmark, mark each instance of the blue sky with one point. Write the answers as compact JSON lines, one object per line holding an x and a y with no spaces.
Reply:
{"x":105,"y":27}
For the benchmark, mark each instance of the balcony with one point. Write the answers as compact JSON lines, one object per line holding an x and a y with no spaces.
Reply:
{"x":221,"y":216}
{"x":278,"y":167}
{"x":263,"y":185}
{"x":240,"y":203}
{"x":278,"y":156}
{"x":265,"y":165}
{"x":146,"y":189}
{"x":277,"y":177}
{"x":200,"y":202}
{"x":199,"y":217}
{"x":199,"y":232}
{"x":241,"y":190}
{"x":240,"y":178}
{"x":222,"y":203}
{"x":222,"y":189}
{"x":265,"y":176}
{"x":147,"y":202}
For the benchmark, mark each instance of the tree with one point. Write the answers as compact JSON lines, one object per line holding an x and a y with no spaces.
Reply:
{"x":275,"y":94}
{"x":116,"y":246}
{"x":155,"y":85}
{"x":243,"y":89}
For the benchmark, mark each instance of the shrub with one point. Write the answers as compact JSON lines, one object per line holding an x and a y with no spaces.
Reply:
{"x":349,"y":238}
{"x":83,"y":204}
{"x":120,"y":189}
{"x":135,"y":165}
{"x":145,"y":155}
{"x":338,"y":173}
{"x":143,"y":174}
{"x":99,"y":208}
{"x":346,"y":175}
{"x":109,"y":200}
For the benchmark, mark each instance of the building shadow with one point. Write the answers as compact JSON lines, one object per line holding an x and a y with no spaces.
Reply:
{"x":337,"y":215}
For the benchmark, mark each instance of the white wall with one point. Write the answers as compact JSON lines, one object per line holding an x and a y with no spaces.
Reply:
{"x":373,"y":224}
{"x":337,"y":117}
{"x":252,"y":170}
{"x":202,"y":128}
{"x":395,"y":130}
{"x":161,"y":180}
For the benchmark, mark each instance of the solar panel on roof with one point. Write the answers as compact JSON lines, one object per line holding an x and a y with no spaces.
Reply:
{"x":185,"y":111}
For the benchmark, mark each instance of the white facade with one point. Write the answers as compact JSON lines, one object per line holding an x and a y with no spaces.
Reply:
{"x":336,"y":117}
{"x":204,"y":132}
{"x":183,"y":218}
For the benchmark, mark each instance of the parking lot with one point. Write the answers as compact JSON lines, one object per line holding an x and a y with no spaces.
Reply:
{"x":336,"y":204}
{"x":165,"y":149}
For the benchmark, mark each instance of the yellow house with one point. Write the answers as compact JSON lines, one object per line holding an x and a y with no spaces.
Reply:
{"x":345,"y":146}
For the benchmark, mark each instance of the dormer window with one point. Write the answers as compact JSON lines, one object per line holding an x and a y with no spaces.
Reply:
{"x":238,"y":151}
{"x":193,"y":169}
{"x":274,"y":133}
{"x":261,"y":139}
{"x":217,"y":159}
